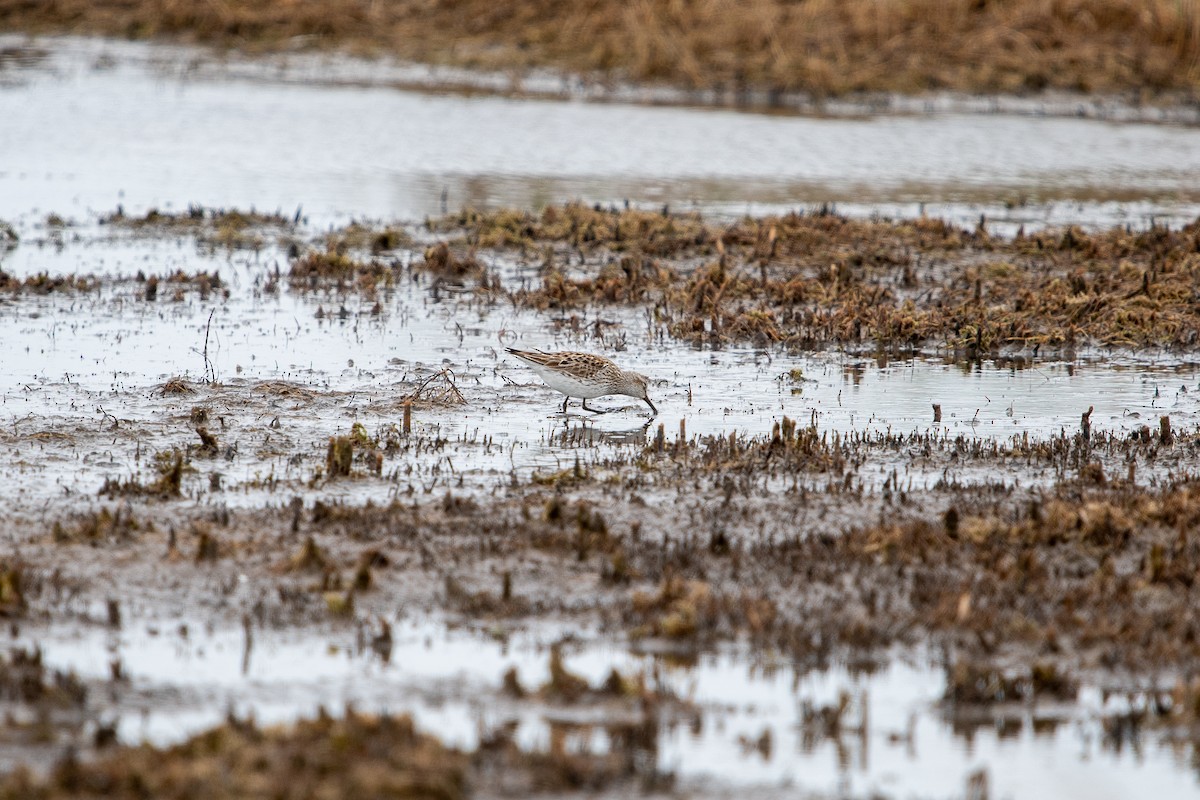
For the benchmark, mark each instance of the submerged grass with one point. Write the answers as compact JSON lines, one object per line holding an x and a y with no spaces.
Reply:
{"x":822,"y":47}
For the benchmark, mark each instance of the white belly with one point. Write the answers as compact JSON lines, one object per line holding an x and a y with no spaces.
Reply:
{"x":569,"y":386}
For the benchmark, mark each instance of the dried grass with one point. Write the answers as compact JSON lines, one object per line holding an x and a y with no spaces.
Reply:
{"x":437,"y":390}
{"x":356,"y":756}
{"x":826,"y":47}
{"x":812,"y":280}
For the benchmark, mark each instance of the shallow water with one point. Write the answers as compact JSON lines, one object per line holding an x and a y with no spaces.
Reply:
{"x":896,"y":737}
{"x":161,"y":132}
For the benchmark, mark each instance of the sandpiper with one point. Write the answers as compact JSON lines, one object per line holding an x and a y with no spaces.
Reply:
{"x":585,"y":376}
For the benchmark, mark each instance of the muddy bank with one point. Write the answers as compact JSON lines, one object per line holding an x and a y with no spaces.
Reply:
{"x":769,"y":49}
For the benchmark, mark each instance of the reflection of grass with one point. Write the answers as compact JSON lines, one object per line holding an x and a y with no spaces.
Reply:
{"x":824,"y":46}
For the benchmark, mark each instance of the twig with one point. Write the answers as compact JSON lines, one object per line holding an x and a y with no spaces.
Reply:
{"x":108,"y":416}
{"x":210,"y":373}
{"x":451,"y":395}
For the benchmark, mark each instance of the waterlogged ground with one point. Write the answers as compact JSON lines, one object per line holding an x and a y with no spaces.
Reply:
{"x":795,"y":579}
{"x":108,"y":376}
{"x":276,"y":371}
{"x":738,"y":722}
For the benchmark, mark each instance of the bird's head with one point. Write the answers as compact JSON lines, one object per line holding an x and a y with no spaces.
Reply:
{"x":640,"y":385}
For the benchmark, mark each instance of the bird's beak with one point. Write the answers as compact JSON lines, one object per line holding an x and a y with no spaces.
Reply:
{"x":652,"y":408}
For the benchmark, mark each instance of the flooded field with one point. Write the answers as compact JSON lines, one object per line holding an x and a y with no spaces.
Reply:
{"x":917,"y":516}
{"x":292,"y":368}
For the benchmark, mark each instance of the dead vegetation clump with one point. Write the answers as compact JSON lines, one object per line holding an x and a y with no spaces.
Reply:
{"x":119,"y":524}
{"x":695,"y":610}
{"x":176,"y":385}
{"x":818,"y":280}
{"x":357,"y":756}
{"x":441,"y":260}
{"x":25,"y":679}
{"x":970,"y":683}
{"x":309,"y":558}
{"x":43,"y":283}
{"x":679,"y":609}
{"x":437,"y":390}
{"x":177,"y":284}
{"x":228,"y":228}
{"x":285,"y":389}
{"x":628,"y":281}
{"x":586,"y":228}
{"x":770,"y":47}
{"x":362,"y":236}
{"x":170,"y":466}
{"x":319,"y":269}
{"x":209,"y":447}
{"x":340,"y":454}
{"x":363,"y":521}
{"x":13,"y":585}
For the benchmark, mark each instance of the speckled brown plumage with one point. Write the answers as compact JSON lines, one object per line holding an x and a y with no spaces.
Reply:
{"x":584,"y":375}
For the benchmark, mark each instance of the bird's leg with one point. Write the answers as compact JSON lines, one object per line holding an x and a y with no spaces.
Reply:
{"x":565,"y":399}
{"x":593,"y":410}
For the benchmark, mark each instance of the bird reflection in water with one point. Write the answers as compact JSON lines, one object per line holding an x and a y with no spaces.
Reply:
{"x":586,"y":434}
